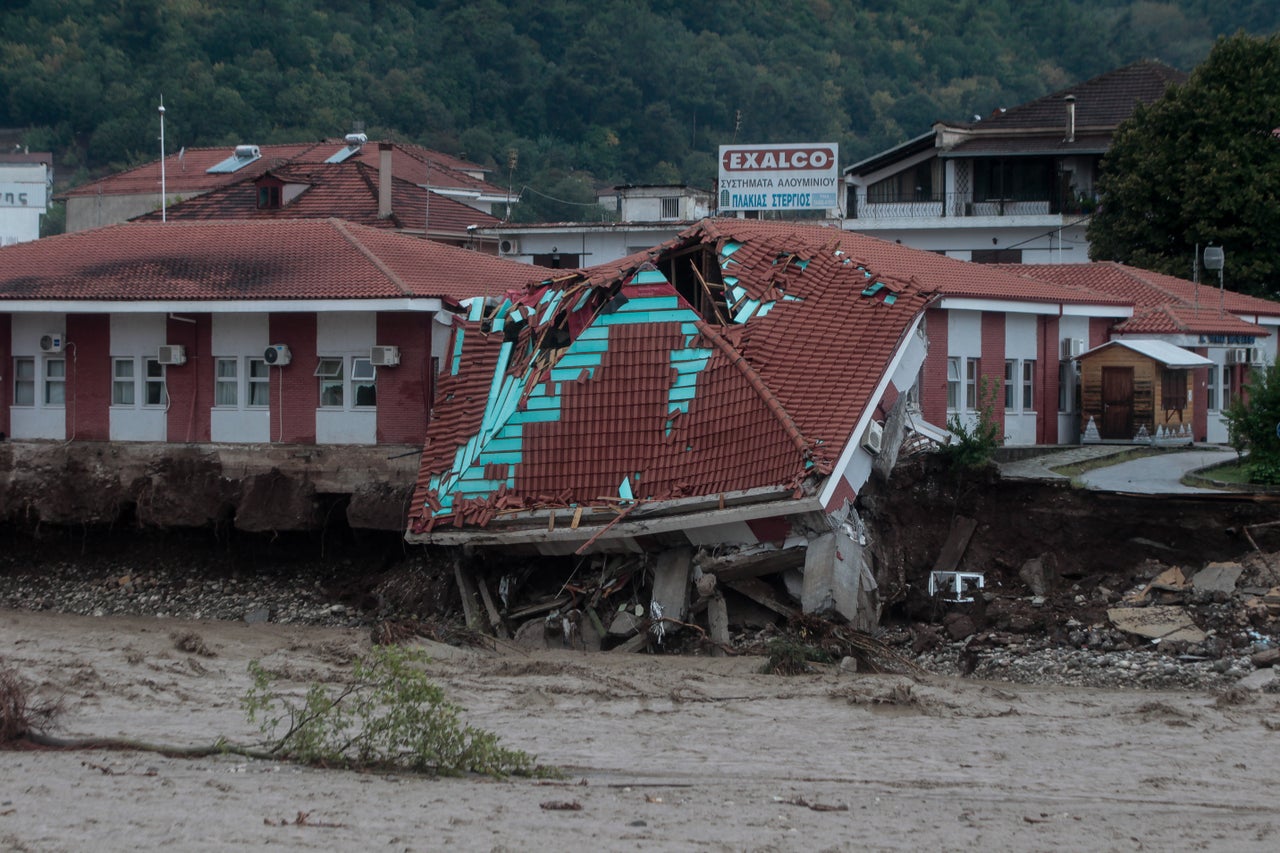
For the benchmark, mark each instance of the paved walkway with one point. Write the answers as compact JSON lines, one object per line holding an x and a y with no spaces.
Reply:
{"x":1153,"y":475}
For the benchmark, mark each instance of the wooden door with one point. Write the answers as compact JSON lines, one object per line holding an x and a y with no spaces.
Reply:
{"x":1117,"y":402}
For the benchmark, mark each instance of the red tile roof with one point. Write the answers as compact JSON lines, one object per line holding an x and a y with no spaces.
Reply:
{"x":1144,"y":288}
{"x":247,"y":260}
{"x":774,"y":399}
{"x":1184,"y":320}
{"x":1101,"y":102}
{"x":334,"y":190}
{"x":186,"y":172}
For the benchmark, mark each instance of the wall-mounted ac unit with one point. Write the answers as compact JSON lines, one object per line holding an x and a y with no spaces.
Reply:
{"x":51,"y":342}
{"x":873,"y":438}
{"x":508,"y":246}
{"x":1257,"y":357}
{"x":172,"y":354}
{"x":1072,"y":347}
{"x":384,"y":356}
{"x":277,"y":355}
{"x":1237,"y":356}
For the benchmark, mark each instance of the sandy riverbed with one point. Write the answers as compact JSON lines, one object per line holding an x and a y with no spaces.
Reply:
{"x":668,"y":753}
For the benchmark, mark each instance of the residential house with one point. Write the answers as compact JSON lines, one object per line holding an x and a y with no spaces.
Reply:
{"x":26,"y":180}
{"x":632,"y":219}
{"x":1017,"y":186}
{"x":192,"y":172}
{"x":351,"y":190}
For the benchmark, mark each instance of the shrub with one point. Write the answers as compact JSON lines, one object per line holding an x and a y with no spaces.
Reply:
{"x":1253,"y":424}
{"x":973,"y":447}
{"x":388,"y":715}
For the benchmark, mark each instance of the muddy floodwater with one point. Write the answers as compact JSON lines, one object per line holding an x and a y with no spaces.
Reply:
{"x":659,"y":753}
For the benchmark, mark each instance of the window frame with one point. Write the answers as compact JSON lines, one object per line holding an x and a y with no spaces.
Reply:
{"x":51,"y":382}
{"x":26,"y":383}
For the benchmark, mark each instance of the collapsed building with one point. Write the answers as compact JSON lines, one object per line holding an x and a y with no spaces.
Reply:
{"x":710,"y":407}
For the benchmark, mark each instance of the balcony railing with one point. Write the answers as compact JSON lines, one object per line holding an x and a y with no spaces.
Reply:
{"x":962,"y":205}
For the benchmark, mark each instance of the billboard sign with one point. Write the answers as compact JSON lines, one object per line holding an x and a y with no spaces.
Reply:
{"x":780,"y":177}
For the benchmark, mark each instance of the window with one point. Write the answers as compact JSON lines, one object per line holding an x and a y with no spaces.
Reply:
{"x":1226,"y":387}
{"x":971,"y":385}
{"x":363,"y":382}
{"x":1011,"y":385}
{"x":953,"y":384}
{"x":1028,"y":385}
{"x":156,"y":394}
{"x":1211,"y":388}
{"x":671,"y":208}
{"x":226,"y":382}
{"x":231,"y":384}
{"x":129,"y":385}
{"x":259,"y":383}
{"x":330,"y":372}
{"x":1173,"y":390}
{"x":1066,"y":386}
{"x":335,"y":378}
{"x":996,"y":256}
{"x":123,"y":382}
{"x":55,"y":382}
{"x":24,"y":381}
{"x":268,"y":197}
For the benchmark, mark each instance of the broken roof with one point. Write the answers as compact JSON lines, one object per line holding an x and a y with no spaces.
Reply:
{"x":739,"y":356}
{"x":236,"y":260}
{"x":347,"y":190}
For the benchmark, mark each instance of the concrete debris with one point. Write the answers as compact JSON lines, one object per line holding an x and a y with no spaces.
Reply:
{"x":1157,"y":622}
{"x":1217,"y":577}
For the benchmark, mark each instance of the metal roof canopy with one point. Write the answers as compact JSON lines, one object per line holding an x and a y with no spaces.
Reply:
{"x":1162,"y":351}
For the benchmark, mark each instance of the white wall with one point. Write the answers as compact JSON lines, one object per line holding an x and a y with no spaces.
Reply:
{"x":240,"y":336}
{"x":38,"y":421}
{"x":135,"y":336}
{"x":1069,"y":422}
{"x":1020,"y":344}
{"x":346,"y":334}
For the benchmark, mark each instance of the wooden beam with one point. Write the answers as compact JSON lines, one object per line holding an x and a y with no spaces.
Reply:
{"x":763,"y":594}
{"x":735,"y":567}
{"x":957,"y":541}
{"x":470,"y":601}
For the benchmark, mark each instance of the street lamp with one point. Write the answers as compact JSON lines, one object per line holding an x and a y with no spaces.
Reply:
{"x":1216,"y":259}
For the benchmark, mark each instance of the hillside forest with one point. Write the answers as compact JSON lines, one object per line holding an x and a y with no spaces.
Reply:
{"x":559,"y":97}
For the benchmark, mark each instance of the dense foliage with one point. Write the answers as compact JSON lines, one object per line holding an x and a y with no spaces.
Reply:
{"x":559,"y":95}
{"x":1200,"y":166}
{"x":1253,"y":423}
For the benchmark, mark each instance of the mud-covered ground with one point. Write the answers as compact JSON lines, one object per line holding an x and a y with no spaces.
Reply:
{"x":660,"y":752}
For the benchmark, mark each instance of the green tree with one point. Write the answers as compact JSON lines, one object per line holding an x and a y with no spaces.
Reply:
{"x":1201,"y":165}
{"x":1253,"y":423}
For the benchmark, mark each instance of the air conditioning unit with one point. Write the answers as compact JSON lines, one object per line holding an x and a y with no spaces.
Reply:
{"x":1072,"y":347}
{"x":508,"y":247}
{"x":277,"y":355}
{"x":1257,"y":357}
{"x":172,"y":354}
{"x":873,"y":438}
{"x":384,"y":356}
{"x":1237,"y":356}
{"x":51,"y":342}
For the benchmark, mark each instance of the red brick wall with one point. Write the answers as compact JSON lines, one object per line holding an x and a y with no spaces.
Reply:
{"x":933,"y":390}
{"x":1099,"y":329}
{"x":992,"y":365}
{"x":1047,"y":382}
{"x":295,"y":421}
{"x":403,"y":390}
{"x":6,"y":371}
{"x":88,"y":354}
{"x":190,"y":385}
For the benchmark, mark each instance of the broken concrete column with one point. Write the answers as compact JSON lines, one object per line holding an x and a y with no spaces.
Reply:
{"x":718,"y":621}
{"x":835,"y":573}
{"x":671,"y":582}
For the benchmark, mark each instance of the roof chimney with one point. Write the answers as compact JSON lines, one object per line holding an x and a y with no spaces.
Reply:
{"x":1071,"y":118}
{"x":384,"y":180}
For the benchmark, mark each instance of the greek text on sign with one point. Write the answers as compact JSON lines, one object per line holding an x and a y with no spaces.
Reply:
{"x":779,"y":177}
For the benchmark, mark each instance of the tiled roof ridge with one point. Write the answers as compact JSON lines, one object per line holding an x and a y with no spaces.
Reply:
{"x":341,"y":227}
{"x":757,"y":383}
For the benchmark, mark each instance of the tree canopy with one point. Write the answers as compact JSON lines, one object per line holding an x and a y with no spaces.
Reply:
{"x":586,"y":93}
{"x":1201,"y":166}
